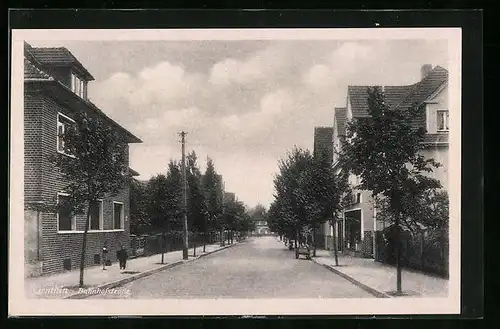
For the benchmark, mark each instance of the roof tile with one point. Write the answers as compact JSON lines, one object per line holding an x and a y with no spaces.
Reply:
{"x":32,"y":72}
{"x":436,"y":139}
{"x":340,"y":119}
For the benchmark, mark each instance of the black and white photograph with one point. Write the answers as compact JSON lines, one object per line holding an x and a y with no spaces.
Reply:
{"x":279,"y":171}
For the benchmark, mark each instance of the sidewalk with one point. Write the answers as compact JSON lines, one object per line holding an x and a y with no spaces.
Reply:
{"x":65,"y":285}
{"x":380,"y":279}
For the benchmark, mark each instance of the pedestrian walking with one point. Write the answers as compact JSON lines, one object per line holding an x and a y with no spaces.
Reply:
{"x":122,"y":256}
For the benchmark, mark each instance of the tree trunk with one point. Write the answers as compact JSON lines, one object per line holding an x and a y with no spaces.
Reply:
{"x":398,"y":253}
{"x":335,"y":248}
{"x":163,"y":245}
{"x":204,"y":240}
{"x":422,"y":245}
{"x":313,"y":240}
{"x":194,"y":244}
{"x":222,"y":240}
{"x":84,"y":247}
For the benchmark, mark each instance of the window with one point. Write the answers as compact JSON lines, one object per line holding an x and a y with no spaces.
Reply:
{"x":63,"y":122}
{"x":96,"y":215}
{"x":78,"y":86}
{"x":117,"y":215}
{"x":442,"y":120}
{"x":65,"y":219}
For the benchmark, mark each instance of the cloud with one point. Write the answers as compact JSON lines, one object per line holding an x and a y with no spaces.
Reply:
{"x":248,"y":125}
{"x":318,"y":77}
{"x":259,"y":66}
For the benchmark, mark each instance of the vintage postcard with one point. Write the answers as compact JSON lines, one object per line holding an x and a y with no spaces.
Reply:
{"x":235,"y":172}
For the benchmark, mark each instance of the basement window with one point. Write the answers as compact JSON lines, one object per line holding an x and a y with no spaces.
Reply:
{"x":67,"y":264}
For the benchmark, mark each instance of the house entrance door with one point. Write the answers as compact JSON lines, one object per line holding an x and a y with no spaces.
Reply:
{"x":353,"y":229}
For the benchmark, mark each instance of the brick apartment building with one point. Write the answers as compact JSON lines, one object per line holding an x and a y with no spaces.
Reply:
{"x":359,"y":226}
{"x":55,"y":87}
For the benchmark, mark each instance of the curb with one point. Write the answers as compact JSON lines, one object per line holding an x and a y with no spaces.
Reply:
{"x":373,"y":291}
{"x":129,"y":279}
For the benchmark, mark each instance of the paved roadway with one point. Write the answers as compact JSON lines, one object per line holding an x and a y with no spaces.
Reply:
{"x":260,"y":267}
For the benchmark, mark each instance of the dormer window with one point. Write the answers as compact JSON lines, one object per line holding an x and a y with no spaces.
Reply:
{"x":78,"y":86}
{"x":442,"y":120}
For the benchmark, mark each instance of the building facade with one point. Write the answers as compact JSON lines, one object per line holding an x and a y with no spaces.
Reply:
{"x":261,"y":227}
{"x":55,"y":88}
{"x":358,"y":227}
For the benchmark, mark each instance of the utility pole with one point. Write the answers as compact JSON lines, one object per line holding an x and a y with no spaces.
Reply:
{"x":184,"y":195}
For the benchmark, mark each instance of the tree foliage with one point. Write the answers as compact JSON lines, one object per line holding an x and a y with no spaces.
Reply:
{"x":139,"y":219}
{"x":197,"y":207}
{"x":384,"y":151}
{"x":95,"y":163}
{"x":213,"y":196}
{"x":165,"y":199}
{"x":308,"y":192}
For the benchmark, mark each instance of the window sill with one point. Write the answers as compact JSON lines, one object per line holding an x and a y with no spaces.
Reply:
{"x":442,"y":130}
{"x":90,"y":231}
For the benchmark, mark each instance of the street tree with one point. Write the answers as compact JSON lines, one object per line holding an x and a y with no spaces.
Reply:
{"x":94,"y":165}
{"x":291,"y":193}
{"x":214,"y":197}
{"x":234,"y":212}
{"x":383,"y":150}
{"x":197,"y":207}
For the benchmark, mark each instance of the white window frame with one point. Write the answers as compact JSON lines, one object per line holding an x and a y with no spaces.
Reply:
{"x":73,"y":219}
{"x":101,"y":217}
{"x":78,"y":85}
{"x":61,"y":124}
{"x":446,"y":120}
{"x":122,"y":216}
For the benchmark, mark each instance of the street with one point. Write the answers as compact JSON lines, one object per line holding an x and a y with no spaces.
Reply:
{"x":260,"y":267}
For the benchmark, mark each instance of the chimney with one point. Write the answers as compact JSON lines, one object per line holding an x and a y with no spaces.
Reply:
{"x":424,"y":71}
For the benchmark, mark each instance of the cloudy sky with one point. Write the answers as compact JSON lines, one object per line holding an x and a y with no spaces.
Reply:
{"x":243,"y":103}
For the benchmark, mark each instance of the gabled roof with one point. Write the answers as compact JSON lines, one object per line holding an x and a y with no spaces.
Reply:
{"x":340,"y":119}
{"x":399,"y":96}
{"x":58,"y":56}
